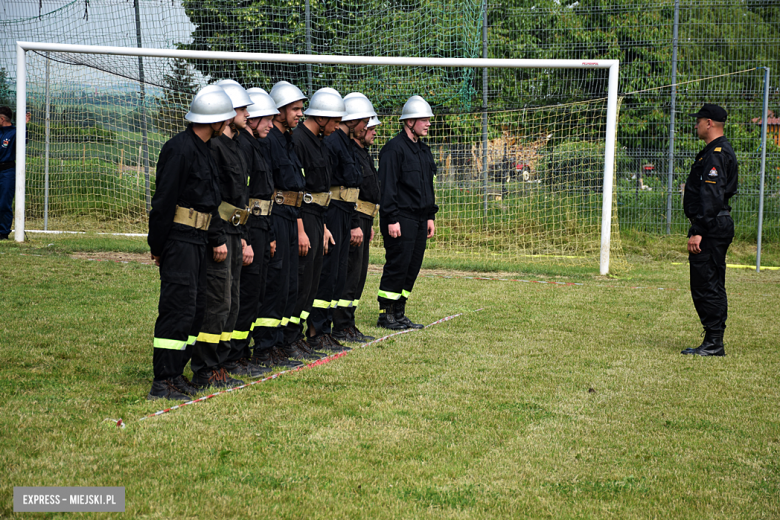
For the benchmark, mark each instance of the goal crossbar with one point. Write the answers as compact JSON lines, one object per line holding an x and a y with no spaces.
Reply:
{"x":482,"y":63}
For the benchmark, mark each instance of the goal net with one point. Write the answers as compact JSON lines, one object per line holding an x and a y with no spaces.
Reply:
{"x":526,"y":183}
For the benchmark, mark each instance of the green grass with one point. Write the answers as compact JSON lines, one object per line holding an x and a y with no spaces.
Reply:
{"x":553,"y":402}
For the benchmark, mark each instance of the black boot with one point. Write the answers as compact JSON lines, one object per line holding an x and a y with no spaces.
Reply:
{"x":387,"y":318}
{"x":400,"y":317}
{"x":715,"y":348}
{"x":166,"y":390}
{"x":706,"y":343}
{"x":185,"y":386}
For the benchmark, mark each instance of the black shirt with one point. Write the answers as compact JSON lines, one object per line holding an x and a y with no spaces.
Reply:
{"x":406,"y":172}
{"x":233,"y":173}
{"x":369,"y":188}
{"x":346,"y":171}
{"x":187,"y":177}
{"x":261,"y":182}
{"x":286,"y":168}
{"x":710,"y":185}
{"x":316,"y":160}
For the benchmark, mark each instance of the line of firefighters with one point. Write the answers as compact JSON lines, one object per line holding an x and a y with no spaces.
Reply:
{"x":260,"y":227}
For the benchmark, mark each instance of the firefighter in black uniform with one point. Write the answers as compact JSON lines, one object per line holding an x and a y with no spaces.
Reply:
{"x":185,"y":201}
{"x":407,"y":211}
{"x":323,"y":117}
{"x":710,"y":185}
{"x":227,"y":239}
{"x":282,"y":278}
{"x":345,"y":188}
{"x":261,"y":188}
{"x":362,"y":232}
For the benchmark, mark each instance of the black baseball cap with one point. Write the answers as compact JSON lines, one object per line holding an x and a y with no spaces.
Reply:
{"x":713,"y":112}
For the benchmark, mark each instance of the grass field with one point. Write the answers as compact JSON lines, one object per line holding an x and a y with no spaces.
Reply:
{"x":554,"y":401}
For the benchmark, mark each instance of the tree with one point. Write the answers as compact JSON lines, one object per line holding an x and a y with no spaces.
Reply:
{"x":5,"y":88}
{"x":180,"y":86}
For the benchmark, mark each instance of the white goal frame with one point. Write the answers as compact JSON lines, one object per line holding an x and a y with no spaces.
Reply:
{"x":481,"y":63}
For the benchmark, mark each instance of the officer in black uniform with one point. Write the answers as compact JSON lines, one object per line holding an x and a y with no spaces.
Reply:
{"x":260,"y":238}
{"x":323,"y":117}
{"x":710,"y":185}
{"x":345,"y":189}
{"x":227,"y":238}
{"x":282,"y":278}
{"x":407,"y":211}
{"x":362,"y":232}
{"x":185,"y":201}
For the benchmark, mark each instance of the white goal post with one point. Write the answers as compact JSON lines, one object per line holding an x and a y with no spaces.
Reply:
{"x":478,"y":63}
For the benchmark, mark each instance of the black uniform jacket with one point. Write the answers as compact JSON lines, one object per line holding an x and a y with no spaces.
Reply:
{"x":406,"y":172}
{"x":261,"y":181}
{"x":369,"y":189}
{"x":286,"y":168}
{"x":346,"y":171}
{"x":187,"y":177}
{"x":710,"y":185}
{"x":316,"y":160}
{"x":233,"y":174}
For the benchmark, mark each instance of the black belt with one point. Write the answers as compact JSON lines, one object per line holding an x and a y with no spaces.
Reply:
{"x":7,"y":165}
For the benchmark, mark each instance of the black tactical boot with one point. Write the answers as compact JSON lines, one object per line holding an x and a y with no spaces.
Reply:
{"x":209,"y":379}
{"x":230,"y":382}
{"x":359,"y":336}
{"x":184,"y":386}
{"x":305,"y":347}
{"x":387,"y":318}
{"x":282,"y":359}
{"x":715,"y":348}
{"x":166,"y":390}
{"x":400,"y":317}
{"x":707,"y":341}
{"x":244,"y":367}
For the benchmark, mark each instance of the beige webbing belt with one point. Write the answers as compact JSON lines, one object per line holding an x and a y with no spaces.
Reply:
{"x":321,"y":199}
{"x":192,"y":218}
{"x":345,"y":194}
{"x":232,"y":214}
{"x":367,"y":208}
{"x":260,"y":207}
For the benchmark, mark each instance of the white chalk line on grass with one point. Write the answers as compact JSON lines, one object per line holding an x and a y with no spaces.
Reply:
{"x":121,"y":424}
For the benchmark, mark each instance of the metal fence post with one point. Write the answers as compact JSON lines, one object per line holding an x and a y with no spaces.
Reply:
{"x":670,"y":184}
{"x":484,"y":109}
{"x":144,"y":138}
{"x":46,"y":153}
{"x":764,"y":125}
{"x":308,"y":46}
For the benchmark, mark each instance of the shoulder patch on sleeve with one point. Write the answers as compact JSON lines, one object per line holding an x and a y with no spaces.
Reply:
{"x":713,"y":173}
{"x":718,"y":149}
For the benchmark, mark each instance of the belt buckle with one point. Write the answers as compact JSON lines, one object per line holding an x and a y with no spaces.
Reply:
{"x":279,"y":197}
{"x":309,"y":199}
{"x":235,"y":218}
{"x":330,"y":197}
{"x":255,"y":209}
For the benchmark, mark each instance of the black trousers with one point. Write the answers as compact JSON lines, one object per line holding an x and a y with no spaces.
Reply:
{"x":708,"y":282}
{"x":252,"y":290}
{"x":309,"y":271}
{"x":223,"y":279}
{"x":281,"y":286}
{"x":333,"y":277}
{"x":182,"y":276}
{"x":403,"y":258}
{"x":357,"y":269}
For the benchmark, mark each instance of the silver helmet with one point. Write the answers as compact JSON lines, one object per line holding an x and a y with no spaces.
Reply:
{"x":210,"y":105}
{"x":416,"y":108}
{"x":374,"y":121}
{"x":235,"y":92}
{"x":358,"y":107}
{"x":255,"y":90}
{"x":326,"y":102}
{"x":285,"y":93}
{"x":262,"y":105}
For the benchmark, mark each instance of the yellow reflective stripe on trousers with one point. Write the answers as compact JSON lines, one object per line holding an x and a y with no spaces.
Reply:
{"x":344,"y":303}
{"x":225,"y":336}
{"x":267,"y":322}
{"x":240,"y":334}
{"x":406,"y":293}
{"x":205,"y":337}
{"x":295,"y":320}
{"x":191,"y":340}
{"x":284,"y":322}
{"x":321,"y":304}
{"x":355,"y":303}
{"x":304,"y":315}
{"x":388,"y":295}
{"x":170,"y":344}
{"x":334,"y":304}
